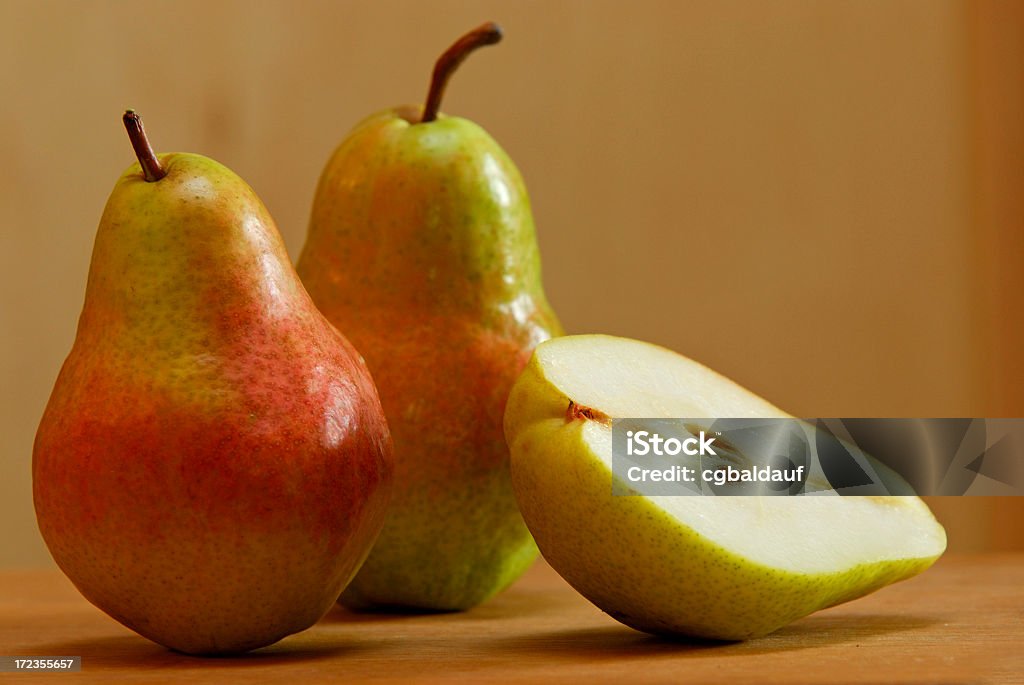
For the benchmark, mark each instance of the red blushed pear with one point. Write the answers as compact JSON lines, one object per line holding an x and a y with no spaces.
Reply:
{"x":213,"y":464}
{"x":421,"y":248}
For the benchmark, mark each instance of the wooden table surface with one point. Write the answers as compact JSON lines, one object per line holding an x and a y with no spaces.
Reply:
{"x":960,"y":622}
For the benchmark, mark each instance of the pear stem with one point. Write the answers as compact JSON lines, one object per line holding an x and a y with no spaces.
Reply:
{"x":151,"y":168}
{"x":485,"y":34}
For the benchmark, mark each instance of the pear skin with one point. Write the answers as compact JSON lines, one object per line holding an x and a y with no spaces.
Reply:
{"x":422,"y":248}
{"x":213,"y":464}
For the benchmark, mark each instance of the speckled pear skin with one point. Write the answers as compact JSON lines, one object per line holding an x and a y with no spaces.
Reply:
{"x":214,"y":463}
{"x":655,"y":566}
{"x":636,"y":562}
{"x":421,"y":247}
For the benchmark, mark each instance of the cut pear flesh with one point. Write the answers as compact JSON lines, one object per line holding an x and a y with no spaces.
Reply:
{"x":715,"y":567}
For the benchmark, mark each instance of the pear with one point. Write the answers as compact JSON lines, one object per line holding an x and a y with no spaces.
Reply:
{"x":421,"y":247}
{"x":213,"y":463}
{"x":724,"y":567}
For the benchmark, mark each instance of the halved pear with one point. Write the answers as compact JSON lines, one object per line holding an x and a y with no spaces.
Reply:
{"x":727,"y":568}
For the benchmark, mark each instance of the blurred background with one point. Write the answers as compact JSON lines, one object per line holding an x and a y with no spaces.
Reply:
{"x":822,"y":200}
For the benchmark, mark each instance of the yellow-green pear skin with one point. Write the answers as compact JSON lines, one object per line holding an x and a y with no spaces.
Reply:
{"x":213,"y":464}
{"x":729,"y":568}
{"x":421,"y":247}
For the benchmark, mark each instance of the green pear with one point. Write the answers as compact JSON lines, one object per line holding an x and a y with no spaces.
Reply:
{"x":421,"y":248}
{"x":724,"y":567}
{"x":214,"y":463}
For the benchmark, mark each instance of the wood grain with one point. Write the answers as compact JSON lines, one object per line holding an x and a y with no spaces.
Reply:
{"x":960,"y":622}
{"x":997,"y":110}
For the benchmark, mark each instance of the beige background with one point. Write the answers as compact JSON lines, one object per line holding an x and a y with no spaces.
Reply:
{"x":819,"y":199}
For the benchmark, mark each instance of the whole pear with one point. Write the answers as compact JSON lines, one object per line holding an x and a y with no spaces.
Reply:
{"x":421,"y":247}
{"x":214,"y":463}
{"x":728,"y":567}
